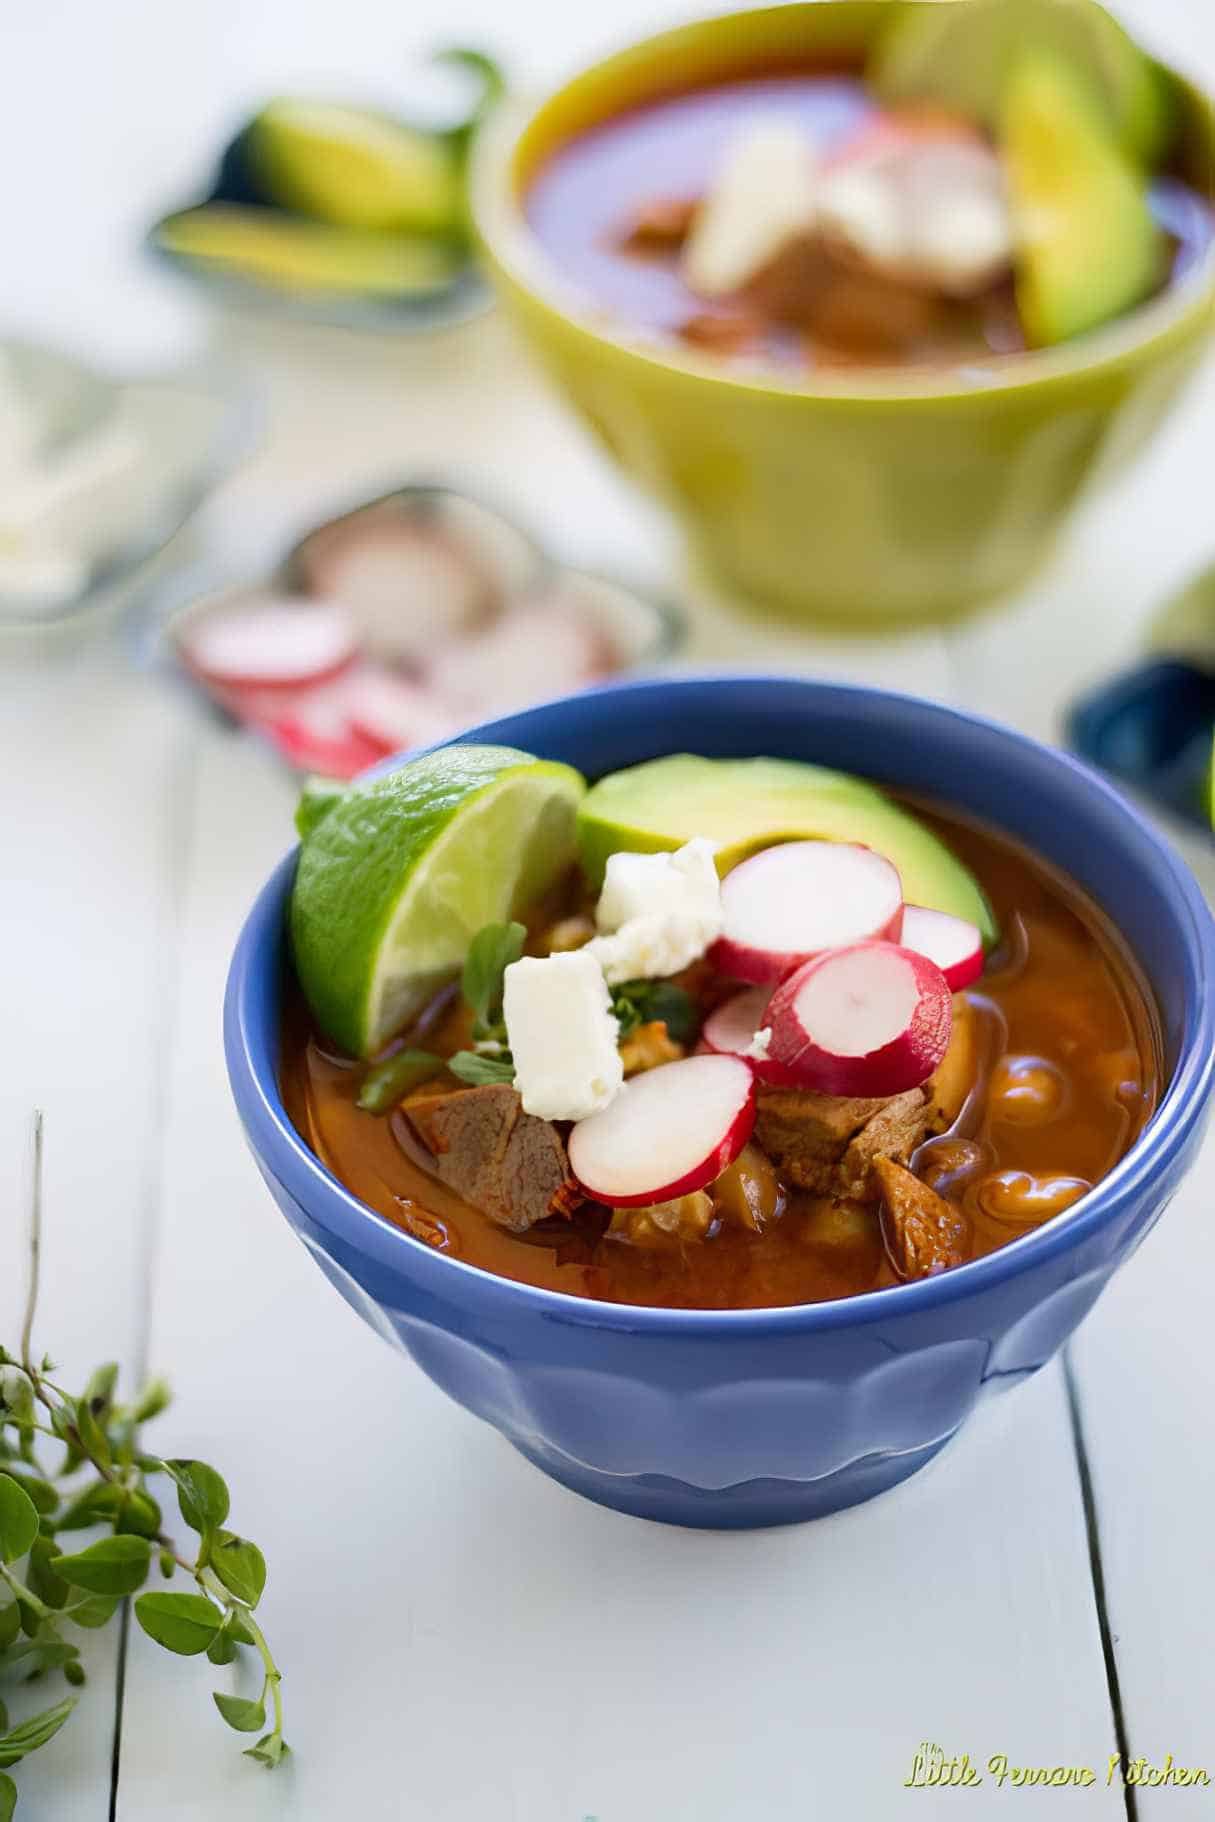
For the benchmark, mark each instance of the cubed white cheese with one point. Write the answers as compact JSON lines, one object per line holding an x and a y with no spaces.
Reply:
{"x":658,"y":912}
{"x":563,"y":1035}
{"x":640,"y":885}
{"x":762,"y":198}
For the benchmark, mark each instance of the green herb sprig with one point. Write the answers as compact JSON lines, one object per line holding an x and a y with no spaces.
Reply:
{"x":646,"y":1002}
{"x":100,"y":1481}
{"x":490,"y":954}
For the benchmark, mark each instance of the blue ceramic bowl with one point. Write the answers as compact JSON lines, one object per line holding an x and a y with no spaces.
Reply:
{"x":760,"y":1417}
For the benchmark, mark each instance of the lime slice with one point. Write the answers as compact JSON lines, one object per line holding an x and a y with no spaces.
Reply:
{"x":397,"y":877}
{"x":960,"y":53}
{"x":354,"y":168}
{"x":295,"y":255}
{"x":317,"y":797}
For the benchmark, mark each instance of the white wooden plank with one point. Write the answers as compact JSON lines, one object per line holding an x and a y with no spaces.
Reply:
{"x":1145,"y":1367}
{"x":461,"y":1638}
{"x":90,"y":762}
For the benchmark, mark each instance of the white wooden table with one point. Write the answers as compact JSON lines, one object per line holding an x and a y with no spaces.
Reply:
{"x":1044,"y":1591}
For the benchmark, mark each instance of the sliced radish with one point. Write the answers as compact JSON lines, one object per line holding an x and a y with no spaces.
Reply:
{"x":532,"y":651}
{"x":794,"y":901}
{"x":386,"y":707}
{"x":275,"y":644}
{"x":731,"y":1029}
{"x":954,"y":945}
{"x":668,"y":1132}
{"x":870,"y":1020}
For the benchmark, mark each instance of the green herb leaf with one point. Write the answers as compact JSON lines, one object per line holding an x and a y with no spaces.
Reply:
{"x":99,"y":1392}
{"x":18,"y":1521}
{"x":35,"y":1732}
{"x":385,"y":1083}
{"x":269,"y":1749}
{"x":113,"y":1565}
{"x":17,"y":1394}
{"x":41,"y":1578}
{"x":3,"y":1718}
{"x":74,"y":1674}
{"x":470,"y":1066}
{"x":8,"y":1798}
{"x":490,"y":954}
{"x":137,"y":1513}
{"x":246,"y":1717}
{"x":96,"y":1505}
{"x":10,"y":1625}
{"x":240,"y":1566}
{"x":493,"y":86}
{"x":184,"y":1623}
{"x":93,"y":1439}
{"x":93,"y":1611}
{"x":154,"y":1398}
{"x":40,"y":1491}
{"x":32,"y":1656}
{"x":238,"y":1630}
{"x":222,"y":1649}
{"x":201,"y":1494}
{"x":644,"y":1002}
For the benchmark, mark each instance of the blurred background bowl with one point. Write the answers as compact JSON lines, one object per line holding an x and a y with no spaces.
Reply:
{"x":888,"y":497}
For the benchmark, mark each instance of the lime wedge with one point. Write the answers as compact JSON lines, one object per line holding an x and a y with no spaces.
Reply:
{"x":397,"y":877}
{"x":317,"y":797}
{"x":295,"y":255}
{"x":354,"y":168}
{"x":960,"y":53}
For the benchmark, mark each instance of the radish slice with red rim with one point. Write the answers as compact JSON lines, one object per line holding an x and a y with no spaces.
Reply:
{"x":870,"y":1020}
{"x":954,"y":945}
{"x":730,"y":1029}
{"x":270,"y":644}
{"x":667,"y":1133}
{"x":794,"y":901}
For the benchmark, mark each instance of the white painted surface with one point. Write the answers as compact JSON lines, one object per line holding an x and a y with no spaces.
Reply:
{"x":463,"y":1641}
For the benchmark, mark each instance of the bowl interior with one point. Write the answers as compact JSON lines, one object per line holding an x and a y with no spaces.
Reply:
{"x":827,"y":34}
{"x":1056,"y":806}
{"x":1045,"y":799}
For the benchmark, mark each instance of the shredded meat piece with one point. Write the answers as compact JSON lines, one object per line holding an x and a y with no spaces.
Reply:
{"x":728,"y":331}
{"x":928,"y":1234}
{"x":661,"y":226}
{"x":649,"y":1046}
{"x":510,"y":1165}
{"x":827,"y":1143}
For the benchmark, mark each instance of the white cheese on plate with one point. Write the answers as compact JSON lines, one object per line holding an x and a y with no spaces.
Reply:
{"x":563,"y":1035}
{"x":658,"y":912}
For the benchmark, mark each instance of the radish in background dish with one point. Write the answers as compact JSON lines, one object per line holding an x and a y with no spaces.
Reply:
{"x":791,"y":902}
{"x":276,"y":643}
{"x":870,"y":1020}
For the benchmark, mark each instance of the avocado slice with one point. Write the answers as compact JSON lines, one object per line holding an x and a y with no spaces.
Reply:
{"x":745,"y":804}
{"x":290,"y":254}
{"x":962,"y":55}
{"x":354,"y":168}
{"x":1089,"y":247}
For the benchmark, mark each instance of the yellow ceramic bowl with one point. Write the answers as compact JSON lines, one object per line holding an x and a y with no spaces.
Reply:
{"x":890,"y":496}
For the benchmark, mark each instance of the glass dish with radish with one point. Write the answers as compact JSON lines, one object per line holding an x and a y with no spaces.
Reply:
{"x":705,"y":1033}
{"x":398,"y":622}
